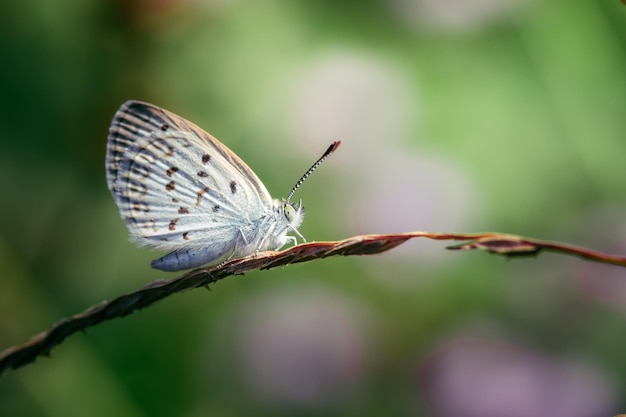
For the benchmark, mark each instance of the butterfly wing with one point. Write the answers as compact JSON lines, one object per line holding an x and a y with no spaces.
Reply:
{"x":176,"y":185}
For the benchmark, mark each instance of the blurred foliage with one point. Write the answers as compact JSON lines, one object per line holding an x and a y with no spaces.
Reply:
{"x":525,"y":98}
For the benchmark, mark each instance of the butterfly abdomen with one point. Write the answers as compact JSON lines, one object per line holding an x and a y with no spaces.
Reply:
{"x":190,"y":258}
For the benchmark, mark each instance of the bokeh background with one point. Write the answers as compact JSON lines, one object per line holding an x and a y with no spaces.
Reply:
{"x":459,"y":116}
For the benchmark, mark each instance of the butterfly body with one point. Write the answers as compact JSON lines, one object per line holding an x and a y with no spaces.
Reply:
{"x":268,"y":232}
{"x":179,"y":189}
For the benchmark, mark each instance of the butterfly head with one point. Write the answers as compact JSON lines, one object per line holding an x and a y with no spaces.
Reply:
{"x":289,"y":217}
{"x":294,"y":213}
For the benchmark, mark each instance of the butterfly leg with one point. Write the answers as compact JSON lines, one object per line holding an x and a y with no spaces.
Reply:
{"x":296,"y":231}
{"x":262,"y":242}
{"x":236,"y":247}
{"x":234,"y":251}
{"x":291,"y":239}
{"x":231,"y":255}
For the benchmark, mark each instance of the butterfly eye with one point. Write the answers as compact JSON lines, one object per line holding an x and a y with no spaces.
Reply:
{"x":290,"y":212}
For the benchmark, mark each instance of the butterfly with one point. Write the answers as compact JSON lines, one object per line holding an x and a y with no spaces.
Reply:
{"x":180,"y":189}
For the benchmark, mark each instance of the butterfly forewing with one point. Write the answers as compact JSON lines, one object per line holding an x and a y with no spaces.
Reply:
{"x":176,"y":184}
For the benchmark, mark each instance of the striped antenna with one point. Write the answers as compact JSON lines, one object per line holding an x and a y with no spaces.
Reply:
{"x":317,"y":163}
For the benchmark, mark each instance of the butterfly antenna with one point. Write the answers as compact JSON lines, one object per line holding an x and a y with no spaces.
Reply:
{"x":317,"y":163}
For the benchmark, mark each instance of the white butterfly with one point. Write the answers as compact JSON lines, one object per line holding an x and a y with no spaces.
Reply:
{"x":180,"y":189}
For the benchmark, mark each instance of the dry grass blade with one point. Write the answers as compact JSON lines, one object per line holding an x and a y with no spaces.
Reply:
{"x":497,"y":243}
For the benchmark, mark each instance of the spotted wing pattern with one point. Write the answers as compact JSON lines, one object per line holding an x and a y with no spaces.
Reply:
{"x":175,"y":184}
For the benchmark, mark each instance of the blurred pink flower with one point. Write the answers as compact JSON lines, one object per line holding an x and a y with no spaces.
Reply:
{"x":345,"y":95}
{"x":304,"y":348}
{"x":602,"y":228}
{"x":474,"y":376}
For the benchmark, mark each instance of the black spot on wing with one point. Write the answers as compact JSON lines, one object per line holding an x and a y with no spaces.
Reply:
{"x":199,"y":194}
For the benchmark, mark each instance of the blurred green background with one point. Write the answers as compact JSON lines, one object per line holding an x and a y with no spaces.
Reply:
{"x":504,"y":115}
